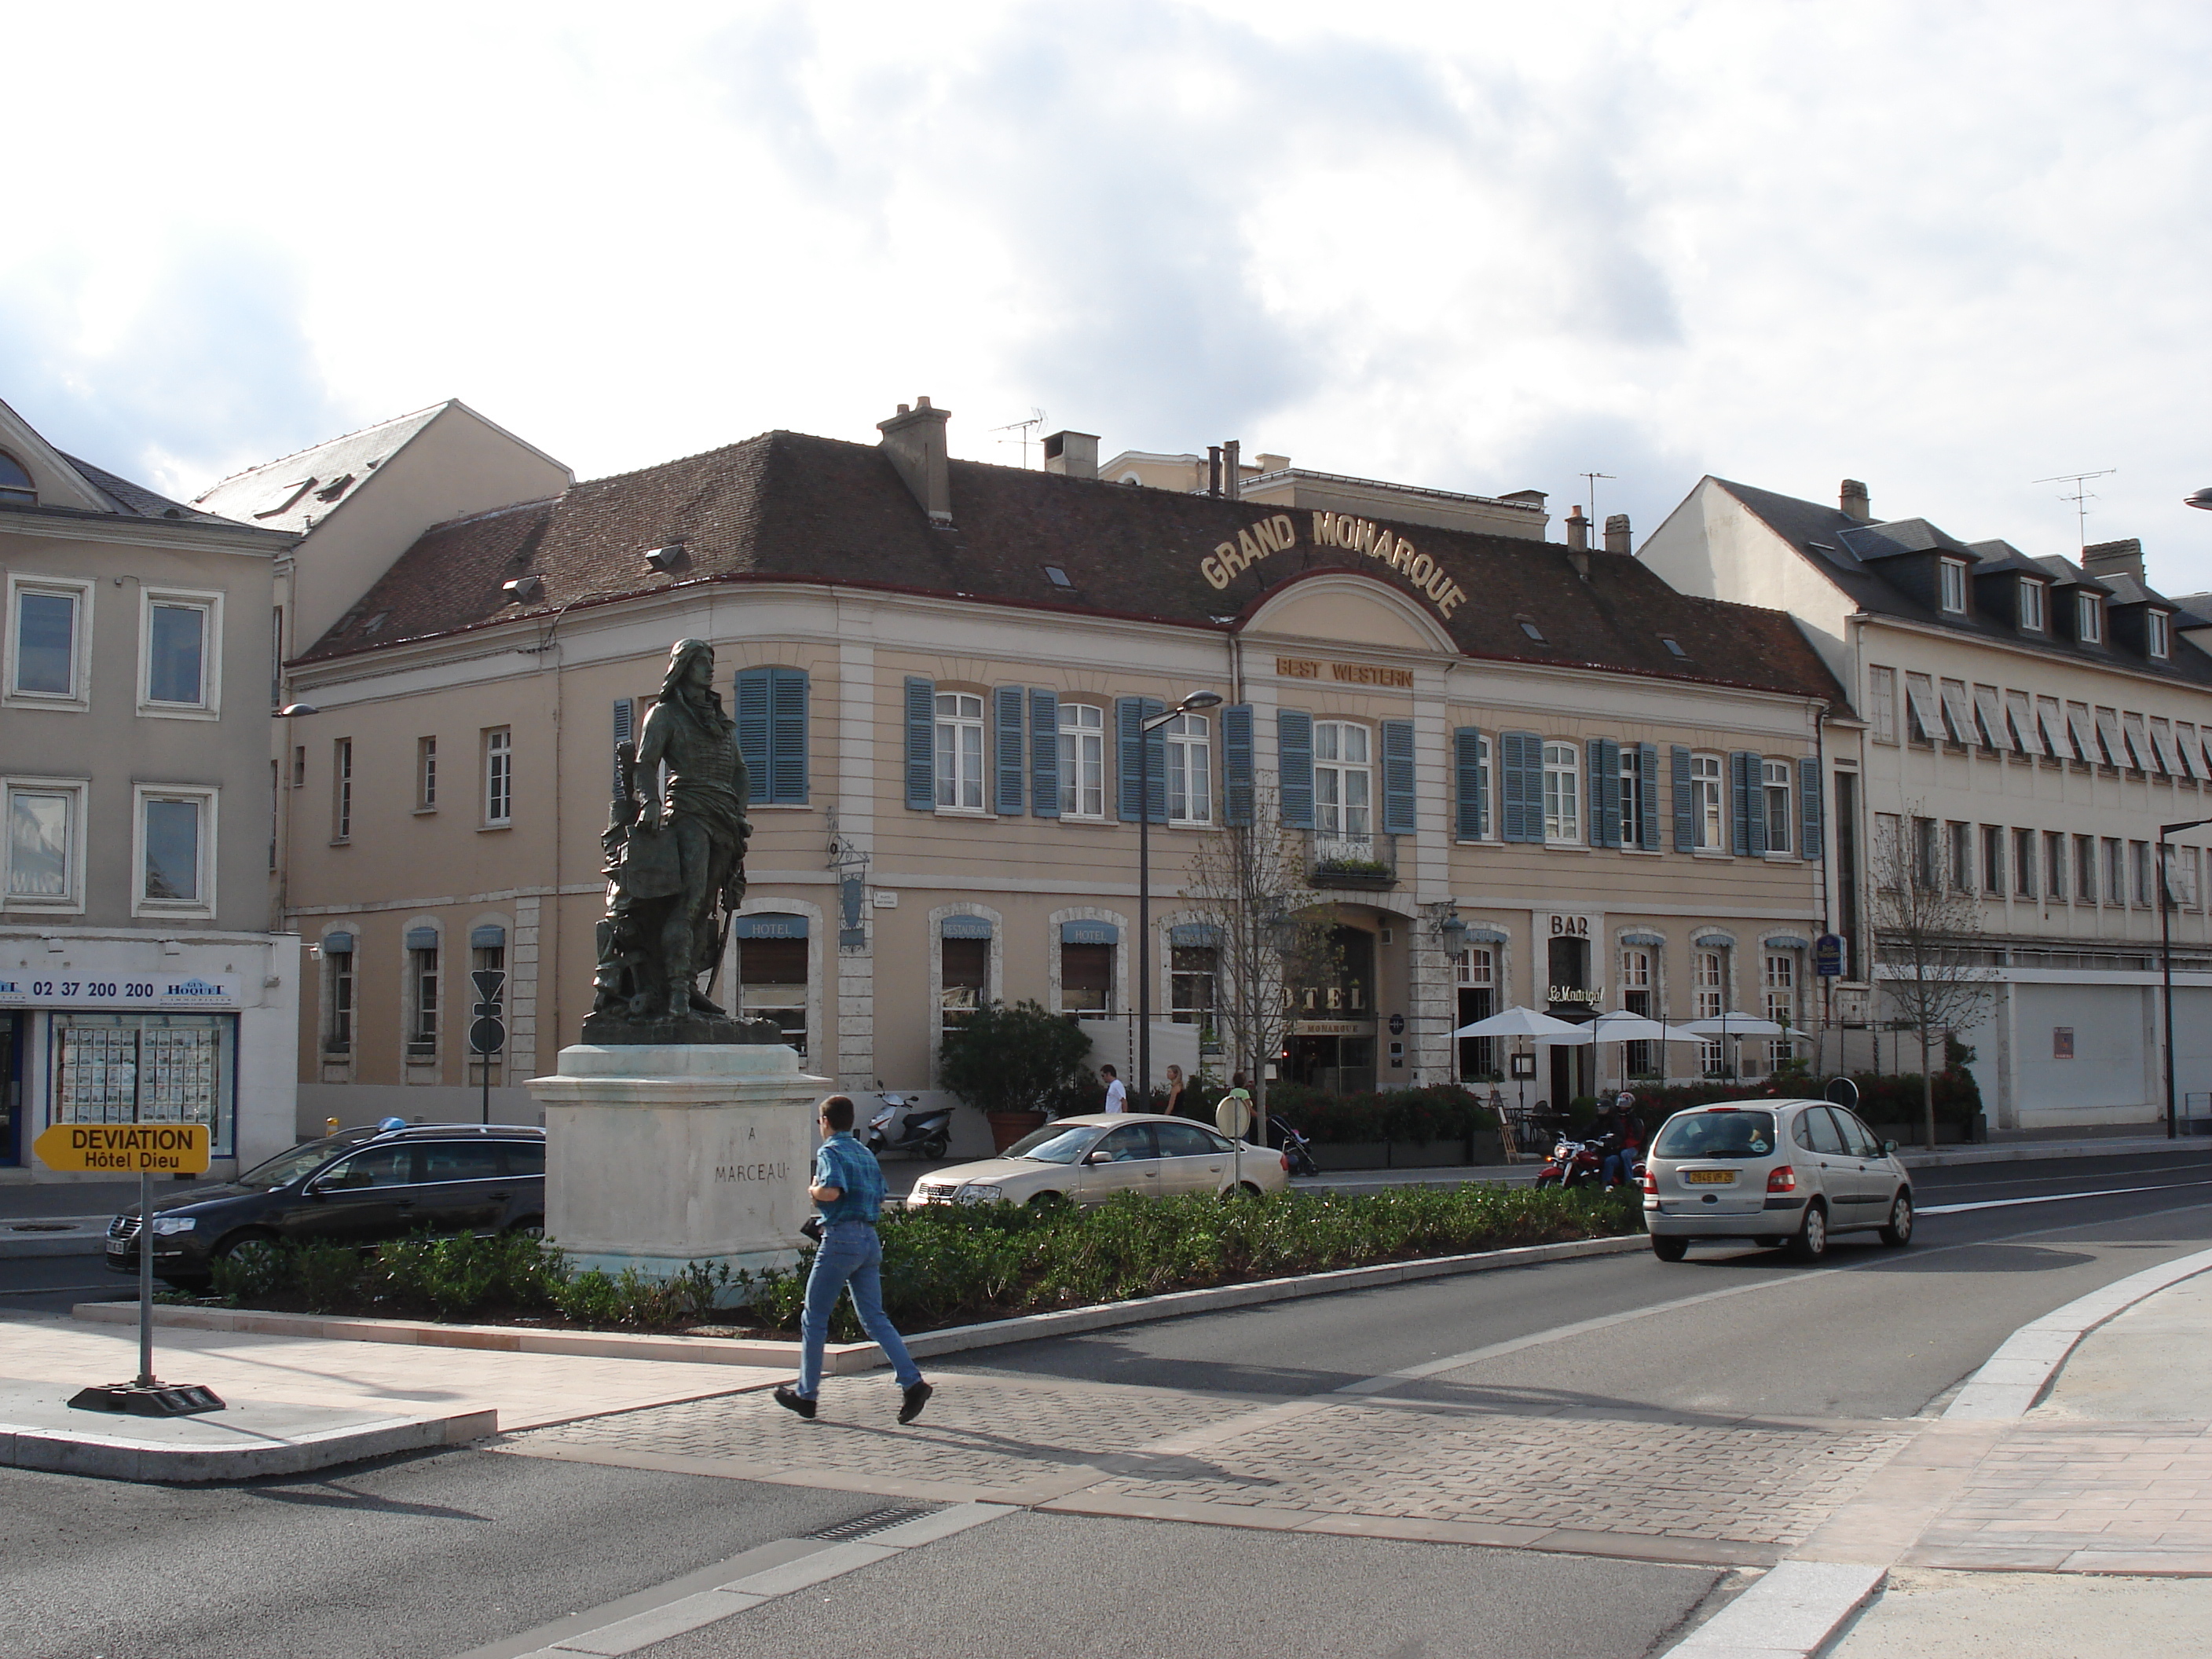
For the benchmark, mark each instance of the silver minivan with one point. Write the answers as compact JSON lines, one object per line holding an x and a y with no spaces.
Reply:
{"x":1777,"y":1172}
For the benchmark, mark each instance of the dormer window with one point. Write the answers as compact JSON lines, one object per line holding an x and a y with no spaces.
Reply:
{"x":16,"y":488}
{"x":1955,"y":584}
{"x":2088,"y":619}
{"x":2158,"y":639}
{"x":2030,"y":604}
{"x":1532,"y":630}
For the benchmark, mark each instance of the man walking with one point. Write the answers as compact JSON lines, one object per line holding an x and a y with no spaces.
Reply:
{"x":848,"y":1190}
{"x":1117,"y":1097}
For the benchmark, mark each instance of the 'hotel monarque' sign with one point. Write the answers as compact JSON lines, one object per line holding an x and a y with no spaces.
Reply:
{"x":1231,"y":559}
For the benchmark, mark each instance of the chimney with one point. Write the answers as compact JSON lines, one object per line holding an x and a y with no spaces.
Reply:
{"x":1577,"y":530}
{"x":1214,"y":468}
{"x":1072,"y":454}
{"x":1232,"y":470}
{"x":1616,"y":532}
{"x":2115,"y":559}
{"x":915,"y":442}
{"x":1854,"y":502}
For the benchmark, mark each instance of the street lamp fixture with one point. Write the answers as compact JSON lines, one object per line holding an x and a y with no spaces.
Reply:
{"x":2199,"y":498}
{"x":2166,"y":931}
{"x":1197,"y":700}
{"x":292,"y":711}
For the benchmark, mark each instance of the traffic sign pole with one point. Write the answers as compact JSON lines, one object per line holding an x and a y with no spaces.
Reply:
{"x":488,"y":1032}
{"x":146,"y":1378}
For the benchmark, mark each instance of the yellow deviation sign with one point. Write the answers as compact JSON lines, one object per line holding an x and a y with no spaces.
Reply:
{"x":125,"y":1148}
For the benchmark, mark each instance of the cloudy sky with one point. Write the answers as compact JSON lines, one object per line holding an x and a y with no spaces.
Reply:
{"x":1951,"y":250}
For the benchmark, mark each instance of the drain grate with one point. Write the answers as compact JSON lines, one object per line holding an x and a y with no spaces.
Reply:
{"x":873,"y":1522}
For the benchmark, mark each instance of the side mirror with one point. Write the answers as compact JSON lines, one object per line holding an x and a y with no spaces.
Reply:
{"x":314,"y":1189}
{"x":1099,"y":1158}
{"x":1888,"y":1147}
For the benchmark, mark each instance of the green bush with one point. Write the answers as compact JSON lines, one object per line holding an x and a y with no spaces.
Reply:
{"x":1019,"y":1059}
{"x":1886,"y":1098}
{"x":1443,"y":1111}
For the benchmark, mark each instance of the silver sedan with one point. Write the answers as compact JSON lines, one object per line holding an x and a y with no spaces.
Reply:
{"x":1087,"y":1160}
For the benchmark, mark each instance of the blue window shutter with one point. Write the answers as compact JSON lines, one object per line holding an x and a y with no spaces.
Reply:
{"x":1156,"y":759}
{"x":1129,"y":721}
{"x":1398,"y":794}
{"x":1739,"y":804}
{"x":1006,"y":710}
{"x":1513,"y":787}
{"x":1294,"y":765}
{"x":1606,"y":797}
{"x":1044,"y":752}
{"x":1754,"y":795}
{"x":1686,"y":827}
{"x":1594,"y":772}
{"x":922,"y":745}
{"x":1467,"y":783}
{"x":787,"y":737}
{"x":1236,"y":763}
{"x":752,"y":692}
{"x":1532,"y":786}
{"x":1808,"y":798}
{"x":1647,"y":794}
{"x":625,"y":732}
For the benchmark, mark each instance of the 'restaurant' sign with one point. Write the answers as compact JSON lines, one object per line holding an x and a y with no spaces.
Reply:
{"x":1339,"y":530}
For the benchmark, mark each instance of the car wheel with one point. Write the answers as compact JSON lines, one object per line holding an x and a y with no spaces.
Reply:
{"x":1811,"y":1243}
{"x":1242,"y":1189}
{"x":242,"y":1244}
{"x":1898,"y":1232}
{"x":1670,"y":1249}
{"x":1048,"y":1200}
{"x":530,"y":1226}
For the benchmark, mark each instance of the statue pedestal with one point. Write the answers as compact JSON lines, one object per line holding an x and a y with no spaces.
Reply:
{"x":660,"y":1156}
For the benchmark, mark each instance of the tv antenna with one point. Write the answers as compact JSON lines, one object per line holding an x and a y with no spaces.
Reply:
{"x":2082,"y":497}
{"x":1025,"y":430}
{"x":1591,"y":478}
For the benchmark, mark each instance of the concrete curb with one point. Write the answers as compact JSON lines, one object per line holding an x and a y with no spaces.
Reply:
{"x":2022,"y":1152}
{"x":2013,"y":1378}
{"x":124,"y":1457}
{"x":1790,"y":1613}
{"x":846,"y":1358}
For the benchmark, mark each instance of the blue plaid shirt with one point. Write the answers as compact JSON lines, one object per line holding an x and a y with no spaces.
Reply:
{"x":842,"y":1162}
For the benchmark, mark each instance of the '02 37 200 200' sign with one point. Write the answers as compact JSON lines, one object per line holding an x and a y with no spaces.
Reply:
{"x":118,"y":991}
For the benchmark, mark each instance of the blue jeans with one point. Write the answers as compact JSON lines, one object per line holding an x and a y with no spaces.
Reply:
{"x":850,"y":1255}
{"x":1620,"y":1165}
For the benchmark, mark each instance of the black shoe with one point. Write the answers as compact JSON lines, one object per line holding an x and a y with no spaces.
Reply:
{"x":910,"y":1407}
{"x":791,"y":1401}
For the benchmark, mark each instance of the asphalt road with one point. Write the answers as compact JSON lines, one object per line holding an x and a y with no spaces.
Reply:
{"x":441,"y":1554}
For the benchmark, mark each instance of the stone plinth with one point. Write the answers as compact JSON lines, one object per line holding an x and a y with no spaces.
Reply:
{"x":657,"y":1157}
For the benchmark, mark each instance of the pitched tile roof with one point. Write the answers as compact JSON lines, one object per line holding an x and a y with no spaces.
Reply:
{"x":788,"y":506}
{"x":136,"y":501}
{"x":1848,"y":552}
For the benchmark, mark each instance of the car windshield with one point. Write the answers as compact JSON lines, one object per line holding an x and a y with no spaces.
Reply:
{"x":1056,"y":1143}
{"x":288,"y":1167}
{"x":1717,"y":1134}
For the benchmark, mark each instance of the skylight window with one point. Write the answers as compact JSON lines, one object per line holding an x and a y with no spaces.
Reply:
{"x":1533,"y":631}
{"x":1674,"y":646}
{"x":288,"y":499}
{"x":1056,"y":576}
{"x":336,"y":488}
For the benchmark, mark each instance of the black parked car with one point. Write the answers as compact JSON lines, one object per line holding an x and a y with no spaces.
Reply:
{"x":359,"y":1187}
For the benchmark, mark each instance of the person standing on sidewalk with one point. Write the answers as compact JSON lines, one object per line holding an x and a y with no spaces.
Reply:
{"x":848,"y":1190}
{"x":1117,"y":1095}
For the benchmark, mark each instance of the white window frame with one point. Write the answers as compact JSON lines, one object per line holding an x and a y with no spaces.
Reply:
{"x":1775,"y":779}
{"x":1190,"y":760}
{"x":1708,"y":1001}
{"x":1475,"y":966}
{"x":958,"y":721}
{"x":335,"y":1009}
{"x":2157,"y":637}
{"x":426,"y":774}
{"x":410,"y":1000}
{"x":1087,"y":732}
{"x":1881,"y":701}
{"x":210,"y":604}
{"x":1563,"y":794}
{"x":1333,"y":807}
{"x":1952,"y":586}
{"x":209,"y":802}
{"x":71,"y":900}
{"x":1709,"y":803}
{"x":341,"y":791}
{"x":2034,"y":614}
{"x":2088,"y":619}
{"x":78,"y":698}
{"x":1778,"y":977}
{"x":497,"y":746}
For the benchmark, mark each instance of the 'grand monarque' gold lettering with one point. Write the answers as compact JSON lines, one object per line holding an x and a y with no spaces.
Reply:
{"x":1230,"y":559}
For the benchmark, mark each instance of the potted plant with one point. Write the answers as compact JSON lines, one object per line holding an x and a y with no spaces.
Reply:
{"x":1011,"y":1064}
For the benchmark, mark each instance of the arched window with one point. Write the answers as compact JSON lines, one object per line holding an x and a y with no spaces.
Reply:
{"x":16,"y":485}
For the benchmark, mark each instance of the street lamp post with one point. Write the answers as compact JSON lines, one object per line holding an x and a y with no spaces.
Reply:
{"x":2166,"y":953}
{"x":1143,"y":963}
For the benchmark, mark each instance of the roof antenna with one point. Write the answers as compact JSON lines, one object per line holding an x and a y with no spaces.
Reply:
{"x":2082,"y":497}
{"x":1591,"y":479}
{"x":1026,"y":428}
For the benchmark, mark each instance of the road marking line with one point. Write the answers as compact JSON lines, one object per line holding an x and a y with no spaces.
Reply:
{"x":2055,"y":1198}
{"x":1793,"y":1610}
{"x":2014,"y":1377}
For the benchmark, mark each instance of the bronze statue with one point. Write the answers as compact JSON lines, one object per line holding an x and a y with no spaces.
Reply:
{"x":675,"y":869}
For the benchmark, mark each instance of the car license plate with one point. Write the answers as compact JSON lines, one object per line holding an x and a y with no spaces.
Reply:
{"x":1709,"y":1177}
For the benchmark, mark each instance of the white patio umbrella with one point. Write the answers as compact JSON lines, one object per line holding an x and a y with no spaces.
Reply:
{"x":1619,"y":1025}
{"x":1737,"y":1026}
{"x":1524,"y":1023}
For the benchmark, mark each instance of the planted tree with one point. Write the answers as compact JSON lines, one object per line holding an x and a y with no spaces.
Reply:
{"x":1248,"y":880}
{"x":1928,"y":942}
{"x":1022,"y":1058}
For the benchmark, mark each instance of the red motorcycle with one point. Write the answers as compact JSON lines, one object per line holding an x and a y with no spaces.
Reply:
{"x":1582,"y":1162}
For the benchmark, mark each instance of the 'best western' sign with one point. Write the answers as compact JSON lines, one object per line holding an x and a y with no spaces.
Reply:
{"x":1230,"y":559}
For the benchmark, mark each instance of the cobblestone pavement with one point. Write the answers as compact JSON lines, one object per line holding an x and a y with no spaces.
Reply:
{"x":2082,"y":1497}
{"x":1668,"y":1489}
